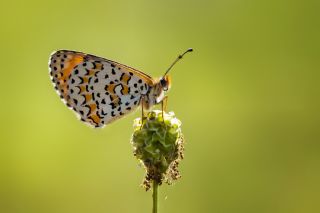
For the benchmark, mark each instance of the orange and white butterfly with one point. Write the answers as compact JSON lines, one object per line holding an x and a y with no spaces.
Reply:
{"x":100,"y":90}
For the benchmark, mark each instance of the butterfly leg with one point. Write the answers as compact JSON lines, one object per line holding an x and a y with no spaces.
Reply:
{"x":142,"y":110}
{"x":164,"y":104}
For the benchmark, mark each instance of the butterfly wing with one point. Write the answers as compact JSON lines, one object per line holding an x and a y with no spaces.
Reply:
{"x":97,"y":89}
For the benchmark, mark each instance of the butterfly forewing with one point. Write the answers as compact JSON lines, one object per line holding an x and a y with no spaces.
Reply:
{"x":97,"y":89}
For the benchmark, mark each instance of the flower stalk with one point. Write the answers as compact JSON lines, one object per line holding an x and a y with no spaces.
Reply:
{"x":155,"y":197}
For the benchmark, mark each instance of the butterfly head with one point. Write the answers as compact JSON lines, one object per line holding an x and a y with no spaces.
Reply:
{"x":165,"y":83}
{"x":160,"y":88}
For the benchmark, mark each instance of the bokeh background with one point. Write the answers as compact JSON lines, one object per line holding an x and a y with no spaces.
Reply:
{"x":248,"y":98}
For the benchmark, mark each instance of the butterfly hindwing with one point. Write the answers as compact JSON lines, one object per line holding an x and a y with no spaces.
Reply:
{"x":98,"y":90}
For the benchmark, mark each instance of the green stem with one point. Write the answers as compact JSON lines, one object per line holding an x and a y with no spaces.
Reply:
{"x":155,"y":196}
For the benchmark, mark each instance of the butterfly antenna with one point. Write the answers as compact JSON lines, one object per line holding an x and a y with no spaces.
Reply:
{"x":179,"y":57}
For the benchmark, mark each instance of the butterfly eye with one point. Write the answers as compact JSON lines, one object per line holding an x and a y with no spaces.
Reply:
{"x":164,"y":84}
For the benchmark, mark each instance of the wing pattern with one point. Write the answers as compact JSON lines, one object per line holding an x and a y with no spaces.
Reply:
{"x":97,"y":89}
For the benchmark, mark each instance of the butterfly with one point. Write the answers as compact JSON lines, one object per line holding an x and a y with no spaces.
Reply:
{"x":100,"y":90}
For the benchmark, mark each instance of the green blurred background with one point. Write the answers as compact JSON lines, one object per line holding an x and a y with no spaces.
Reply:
{"x":248,"y":98}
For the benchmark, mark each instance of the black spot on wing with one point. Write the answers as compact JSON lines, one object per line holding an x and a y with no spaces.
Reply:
{"x":104,"y":113}
{"x":81,"y":80}
{"x":98,"y":114}
{"x":87,"y":71}
{"x":89,"y":110}
{"x":84,"y":101}
{"x":90,"y":79}
{"x":113,"y":105}
{"x":121,"y":76}
{"x":75,"y":101}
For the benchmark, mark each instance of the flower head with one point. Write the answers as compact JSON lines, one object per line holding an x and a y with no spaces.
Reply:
{"x":158,"y":144}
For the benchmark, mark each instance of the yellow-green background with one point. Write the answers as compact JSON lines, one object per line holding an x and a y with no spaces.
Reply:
{"x":248,"y":98}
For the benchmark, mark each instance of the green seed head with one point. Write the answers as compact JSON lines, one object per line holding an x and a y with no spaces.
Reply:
{"x":158,"y":144}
